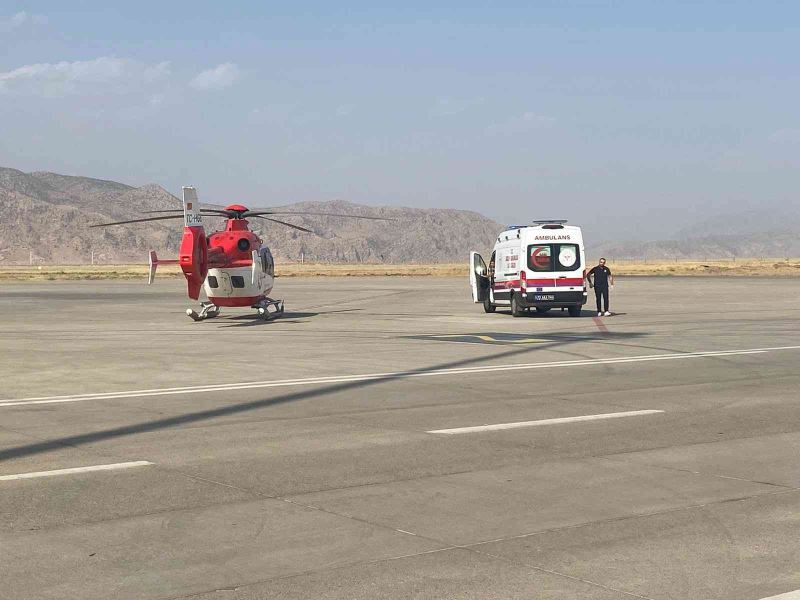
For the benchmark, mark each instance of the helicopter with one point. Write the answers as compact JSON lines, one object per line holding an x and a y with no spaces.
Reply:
{"x":234,"y":267}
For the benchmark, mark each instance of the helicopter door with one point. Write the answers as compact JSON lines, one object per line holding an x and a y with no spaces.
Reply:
{"x":478,"y":277}
{"x":224,"y":282}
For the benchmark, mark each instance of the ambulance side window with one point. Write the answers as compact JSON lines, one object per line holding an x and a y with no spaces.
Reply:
{"x":507,"y":261}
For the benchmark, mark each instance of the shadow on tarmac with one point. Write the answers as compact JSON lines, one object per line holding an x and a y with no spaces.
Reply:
{"x":251,"y":320}
{"x":554,"y":313}
{"x":244,"y":407}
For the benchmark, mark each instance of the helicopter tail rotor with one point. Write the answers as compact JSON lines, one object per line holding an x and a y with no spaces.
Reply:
{"x":193,"y":253}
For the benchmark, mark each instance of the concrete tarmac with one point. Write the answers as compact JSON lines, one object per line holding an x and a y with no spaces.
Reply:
{"x":300,"y":458}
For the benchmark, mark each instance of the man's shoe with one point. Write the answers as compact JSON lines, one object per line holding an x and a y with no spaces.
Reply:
{"x":608,"y":314}
{"x":599,"y":314}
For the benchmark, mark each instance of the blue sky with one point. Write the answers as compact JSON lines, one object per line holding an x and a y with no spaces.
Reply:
{"x":632,"y":118}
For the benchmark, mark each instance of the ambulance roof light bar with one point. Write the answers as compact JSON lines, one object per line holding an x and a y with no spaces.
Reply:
{"x":546,"y":223}
{"x":551,"y":223}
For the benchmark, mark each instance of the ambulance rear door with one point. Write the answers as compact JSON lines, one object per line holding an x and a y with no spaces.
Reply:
{"x":569,"y":263}
{"x":509,"y":258}
{"x":478,"y":278}
{"x":554,"y":266}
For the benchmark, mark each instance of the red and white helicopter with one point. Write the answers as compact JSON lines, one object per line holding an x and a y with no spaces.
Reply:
{"x":234,"y":267}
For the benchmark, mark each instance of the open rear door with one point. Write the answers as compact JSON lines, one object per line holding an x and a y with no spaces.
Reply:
{"x":478,"y":277}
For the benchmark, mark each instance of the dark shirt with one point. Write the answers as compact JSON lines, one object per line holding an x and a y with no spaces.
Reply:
{"x":601,"y":275}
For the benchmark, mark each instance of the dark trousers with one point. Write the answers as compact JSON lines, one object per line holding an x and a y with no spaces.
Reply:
{"x":601,"y":293}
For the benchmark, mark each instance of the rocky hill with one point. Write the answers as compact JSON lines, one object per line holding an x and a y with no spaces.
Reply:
{"x":762,"y":233}
{"x":48,"y":214}
{"x":777,"y":245}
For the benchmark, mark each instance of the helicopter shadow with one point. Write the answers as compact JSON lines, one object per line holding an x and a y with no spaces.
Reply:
{"x":252,"y":320}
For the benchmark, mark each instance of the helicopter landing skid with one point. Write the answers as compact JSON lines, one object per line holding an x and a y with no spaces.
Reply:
{"x":208,"y":310}
{"x":269,"y":309}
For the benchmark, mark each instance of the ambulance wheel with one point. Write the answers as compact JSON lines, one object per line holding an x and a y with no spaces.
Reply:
{"x":516,"y":309}
{"x":542,"y":309}
{"x":488,"y":306}
{"x":574,"y":311}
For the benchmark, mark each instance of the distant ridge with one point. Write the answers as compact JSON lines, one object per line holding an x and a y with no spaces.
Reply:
{"x":760,"y":233}
{"x":48,"y":214}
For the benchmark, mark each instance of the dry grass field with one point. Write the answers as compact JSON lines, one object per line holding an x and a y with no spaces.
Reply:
{"x":767,"y":267}
{"x":77,"y":272}
{"x":739,"y":268}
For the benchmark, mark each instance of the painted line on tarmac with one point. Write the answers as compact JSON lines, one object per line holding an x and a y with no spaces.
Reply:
{"x":558,"y":421}
{"x":90,"y":469}
{"x":382,"y":376}
{"x":795,"y":595}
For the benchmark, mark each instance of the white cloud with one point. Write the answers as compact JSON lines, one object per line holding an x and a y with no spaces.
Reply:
{"x":107,"y":73}
{"x":20,"y":19}
{"x":785,"y":136}
{"x":345,"y":110}
{"x":157,"y":72}
{"x":537,"y":120}
{"x":448,"y":107}
{"x":220,"y":77}
{"x":527,"y":121}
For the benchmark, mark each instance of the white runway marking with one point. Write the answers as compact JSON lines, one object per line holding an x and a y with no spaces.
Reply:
{"x":795,"y":595}
{"x":112,"y":467}
{"x":382,"y":376}
{"x":500,"y":426}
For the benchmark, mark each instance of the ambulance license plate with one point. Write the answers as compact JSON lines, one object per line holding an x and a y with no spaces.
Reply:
{"x":544,"y":297}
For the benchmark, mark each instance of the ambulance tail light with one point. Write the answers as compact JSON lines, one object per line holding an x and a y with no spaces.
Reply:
{"x":523,"y":280}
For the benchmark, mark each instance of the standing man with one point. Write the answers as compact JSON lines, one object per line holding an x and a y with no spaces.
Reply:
{"x":600,"y":278}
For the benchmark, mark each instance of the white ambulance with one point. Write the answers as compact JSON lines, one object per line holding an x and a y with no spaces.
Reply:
{"x":540,"y":266}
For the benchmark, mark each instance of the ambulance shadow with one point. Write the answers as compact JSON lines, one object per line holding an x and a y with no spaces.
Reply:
{"x":321,"y":392}
{"x":557,"y":313}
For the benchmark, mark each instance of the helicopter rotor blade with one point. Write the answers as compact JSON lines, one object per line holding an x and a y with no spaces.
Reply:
{"x":138,"y":220}
{"x":284,"y":223}
{"x":321,"y":214}
{"x":211,"y":211}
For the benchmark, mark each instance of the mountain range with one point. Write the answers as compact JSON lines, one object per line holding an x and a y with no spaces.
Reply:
{"x":767,"y":232}
{"x":46,"y":218}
